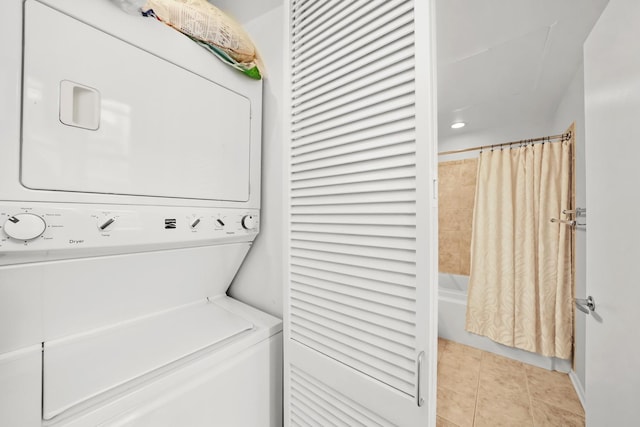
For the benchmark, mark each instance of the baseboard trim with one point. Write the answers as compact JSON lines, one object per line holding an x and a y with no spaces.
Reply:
{"x":577,"y":385}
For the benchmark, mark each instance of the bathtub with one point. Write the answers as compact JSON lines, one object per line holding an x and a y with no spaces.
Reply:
{"x":452,"y":307}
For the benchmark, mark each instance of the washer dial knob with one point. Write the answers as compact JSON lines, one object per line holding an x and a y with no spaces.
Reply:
{"x":24,"y":226}
{"x":249,"y":222}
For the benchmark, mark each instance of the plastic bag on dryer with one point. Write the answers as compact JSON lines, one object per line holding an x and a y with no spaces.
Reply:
{"x":211,"y":28}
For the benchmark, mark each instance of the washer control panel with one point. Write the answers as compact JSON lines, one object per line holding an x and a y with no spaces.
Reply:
{"x":50,"y":227}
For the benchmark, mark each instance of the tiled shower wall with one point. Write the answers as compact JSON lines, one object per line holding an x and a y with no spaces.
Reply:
{"x":456,"y":193}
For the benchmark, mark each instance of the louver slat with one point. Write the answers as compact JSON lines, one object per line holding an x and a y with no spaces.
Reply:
{"x":350,"y":146}
{"x":356,"y":335}
{"x":357,"y":178}
{"x":379,"y":208}
{"x":335,"y":316}
{"x":370,"y":241}
{"x":377,"y":153}
{"x":326,"y":417}
{"x":377,"y":118}
{"x":376,"y":165}
{"x":363,"y":359}
{"x":322,"y":395}
{"x":341,"y":82}
{"x":381,"y":47}
{"x":336,"y":68}
{"x":382,"y":276}
{"x":379,"y":254}
{"x":313,"y":16}
{"x":382,"y":320}
{"x":355,"y":35}
{"x":383,"y":356}
{"x":355,"y":110}
{"x":350,"y":280}
{"x":379,"y":295}
{"x":356,"y":187}
{"x":357,"y":230}
{"x":321,"y":105}
{"x":406,"y":220}
{"x":352,"y":295}
{"x":377,"y":134}
{"x":309,"y":11}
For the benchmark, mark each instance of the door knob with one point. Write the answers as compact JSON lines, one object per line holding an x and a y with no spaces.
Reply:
{"x":586,"y":305}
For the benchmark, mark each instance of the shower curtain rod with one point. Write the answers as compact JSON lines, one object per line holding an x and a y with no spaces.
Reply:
{"x":561,"y":137}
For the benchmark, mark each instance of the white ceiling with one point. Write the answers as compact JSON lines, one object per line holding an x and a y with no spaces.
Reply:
{"x":507,"y":62}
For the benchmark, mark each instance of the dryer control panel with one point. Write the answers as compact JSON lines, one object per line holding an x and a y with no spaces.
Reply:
{"x":48,"y":228}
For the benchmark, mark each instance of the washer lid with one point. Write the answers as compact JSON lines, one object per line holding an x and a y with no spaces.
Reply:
{"x":81,"y":367}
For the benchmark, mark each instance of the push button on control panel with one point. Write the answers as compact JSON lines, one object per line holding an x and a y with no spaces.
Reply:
{"x":24,"y":226}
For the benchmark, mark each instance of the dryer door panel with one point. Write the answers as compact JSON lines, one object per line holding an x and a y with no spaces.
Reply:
{"x":103,"y":116}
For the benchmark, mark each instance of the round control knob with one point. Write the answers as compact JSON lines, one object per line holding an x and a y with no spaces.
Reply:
{"x":249,"y":222}
{"x":24,"y":226}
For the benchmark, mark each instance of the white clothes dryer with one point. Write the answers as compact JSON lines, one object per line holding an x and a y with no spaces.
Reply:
{"x":129,"y":197}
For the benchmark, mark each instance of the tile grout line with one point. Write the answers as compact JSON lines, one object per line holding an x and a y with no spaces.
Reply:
{"x":564,"y":408}
{"x":526,"y":383}
{"x":440,"y":359}
{"x":552,"y":403}
{"x":455,"y":390}
{"x":475,"y":404}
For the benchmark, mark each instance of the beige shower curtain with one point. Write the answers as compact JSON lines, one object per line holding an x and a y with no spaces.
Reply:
{"x":520,"y":290}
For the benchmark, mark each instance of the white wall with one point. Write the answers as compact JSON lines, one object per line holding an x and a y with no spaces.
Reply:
{"x":571,"y":109}
{"x":259,"y":281}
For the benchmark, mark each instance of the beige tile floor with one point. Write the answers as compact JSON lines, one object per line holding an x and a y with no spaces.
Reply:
{"x":477,"y":388}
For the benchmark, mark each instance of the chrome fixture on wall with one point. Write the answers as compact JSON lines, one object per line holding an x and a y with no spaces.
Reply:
{"x":578,"y":212}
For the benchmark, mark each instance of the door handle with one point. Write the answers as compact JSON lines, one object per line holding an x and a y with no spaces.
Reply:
{"x":79,"y":105}
{"x":419,"y":399}
{"x":586,"y":305}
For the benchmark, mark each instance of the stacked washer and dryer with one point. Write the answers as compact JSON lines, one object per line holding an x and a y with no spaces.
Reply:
{"x":129,"y":197}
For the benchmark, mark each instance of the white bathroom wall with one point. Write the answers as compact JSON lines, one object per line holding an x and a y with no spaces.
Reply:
{"x":259,"y":281}
{"x":571,"y":109}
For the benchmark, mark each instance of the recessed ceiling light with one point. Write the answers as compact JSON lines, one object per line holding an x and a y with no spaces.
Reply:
{"x":458,"y":125}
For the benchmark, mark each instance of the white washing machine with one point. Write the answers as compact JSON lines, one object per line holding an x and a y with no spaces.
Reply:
{"x":129,"y":197}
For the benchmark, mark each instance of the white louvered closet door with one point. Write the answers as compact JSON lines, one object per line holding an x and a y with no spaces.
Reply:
{"x":360,"y":321}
